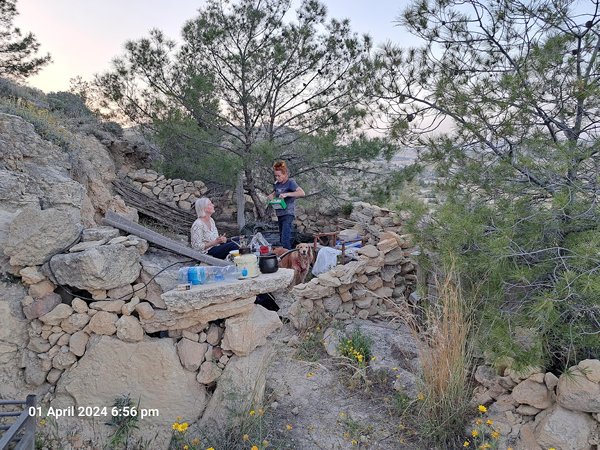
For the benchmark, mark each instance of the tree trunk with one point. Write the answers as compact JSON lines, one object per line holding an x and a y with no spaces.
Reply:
{"x":240,"y":199}
{"x":260,"y":208}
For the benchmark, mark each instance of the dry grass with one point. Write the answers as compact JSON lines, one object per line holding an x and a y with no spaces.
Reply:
{"x":446,"y":366}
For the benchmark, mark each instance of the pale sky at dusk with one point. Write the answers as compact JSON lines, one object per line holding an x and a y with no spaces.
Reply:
{"x":84,"y":35}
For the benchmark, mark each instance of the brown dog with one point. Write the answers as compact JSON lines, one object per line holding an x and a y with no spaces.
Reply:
{"x":300,"y":260}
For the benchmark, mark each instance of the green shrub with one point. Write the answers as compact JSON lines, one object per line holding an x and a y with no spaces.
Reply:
{"x":357,"y":348}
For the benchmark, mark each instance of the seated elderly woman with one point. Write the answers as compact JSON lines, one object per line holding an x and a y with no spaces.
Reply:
{"x":204,"y":234}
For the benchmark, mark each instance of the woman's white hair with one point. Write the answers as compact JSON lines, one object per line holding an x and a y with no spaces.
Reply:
{"x":201,"y":205}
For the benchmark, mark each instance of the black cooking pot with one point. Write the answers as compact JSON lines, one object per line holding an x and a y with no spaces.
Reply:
{"x":268,"y":263}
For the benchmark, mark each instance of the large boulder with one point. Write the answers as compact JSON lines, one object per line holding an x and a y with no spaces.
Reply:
{"x":35,"y":235}
{"x":577,"y":392}
{"x":103,"y":267}
{"x":240,"y":386}
{"x":94,"y":168}
{"x":149,"y":371}
{"x":563,"y":429}
{"x":13,"y":339}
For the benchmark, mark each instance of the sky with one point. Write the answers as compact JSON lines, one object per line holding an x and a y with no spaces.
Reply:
{"x":83,"y":36}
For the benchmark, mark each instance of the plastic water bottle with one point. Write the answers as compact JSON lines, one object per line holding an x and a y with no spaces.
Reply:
{"x":230,"y":273}
{"x":182,"y":277}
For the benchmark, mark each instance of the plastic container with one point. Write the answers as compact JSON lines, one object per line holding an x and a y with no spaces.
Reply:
{"x":194,"y":275}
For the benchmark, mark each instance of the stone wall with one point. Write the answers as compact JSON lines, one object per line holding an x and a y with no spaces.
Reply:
{"x":83,"y":352}
{"x":175,"y":192}
{"x":534,"y":410}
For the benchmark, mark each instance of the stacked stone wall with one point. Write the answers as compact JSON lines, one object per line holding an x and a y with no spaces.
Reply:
{"x":533,"y":409}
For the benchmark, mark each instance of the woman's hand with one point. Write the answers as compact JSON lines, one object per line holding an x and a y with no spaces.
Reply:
{"x":221,"y":239}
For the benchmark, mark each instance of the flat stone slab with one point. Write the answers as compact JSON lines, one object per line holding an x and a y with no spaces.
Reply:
{"x":203,"y":295}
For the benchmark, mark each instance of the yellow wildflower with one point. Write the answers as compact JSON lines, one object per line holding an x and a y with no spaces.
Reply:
{"x":482,"y":409}
{"x":252,"y":413}
{"x":254,"y":447}
{"x":310,"y":375}
{"x":354,"y":442}
{"x":245,"y":438}
{"x":373,"y":358}
{"x":342,"y":415}
{"x":466,"y":444}
{"x":175,"y":426}
{"x":210,"y":448}
{"x":485,"y":446}
{"x":179,"y":418}
{"x":421,"y":396}
{"x":265,"y":443}
{"x":394,"y":369}
{"x":42,"y":422}
{"x":489,"y":422}
{"x":474,"y":433}
{"x":182,"y":427}
{"x":478,"y":421}
{"x":288,"y":427}
{"x":186,"y":447}
{"x":495,"y":434}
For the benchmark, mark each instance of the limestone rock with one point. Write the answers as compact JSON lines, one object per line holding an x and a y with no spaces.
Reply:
{"x":78,"y":342}
{"x":209,"y":373}
{"x":75,"y":322}
{"x":565,"y":429}
{"x":99,"y":233}
{"x":104,"y":267}
{"x":191,"y":354}
{"x":102,"y":323}
{"x":57,"y":315}
{"x":532,"y":393}
{"x":325,"y":279}
{"x":129,"y":329}
{"x":85,"y":246}
{"x":114,"y":306}
{"x":241,"y":385}
{"x":245,"y":332}
{"x":214,"y":334}
{"x":167,"y":320}
{"x":79,"y":306}
{"x":591,"y":369}
{"x":38,"y":345}
{"x":64,"y":360}
{"x":576,"y":392}
{"x":148,"y":370}
{"x":550,"y":380}
{"x":34,"y":235}
{"x":40,"y":306}
{"x":41,"y":289}
{"x":13,"y":338}
{"x":31,"y":275}
{"x":145,"y":310}
{"x":218,"y":293}
{"x":369,"y":251}
{"x":331,"y":341}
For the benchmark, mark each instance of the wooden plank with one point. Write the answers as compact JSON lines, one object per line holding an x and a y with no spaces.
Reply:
{"x":120,"y":222}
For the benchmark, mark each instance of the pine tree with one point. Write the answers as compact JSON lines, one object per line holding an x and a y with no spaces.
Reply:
{"x":17,"y":51}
